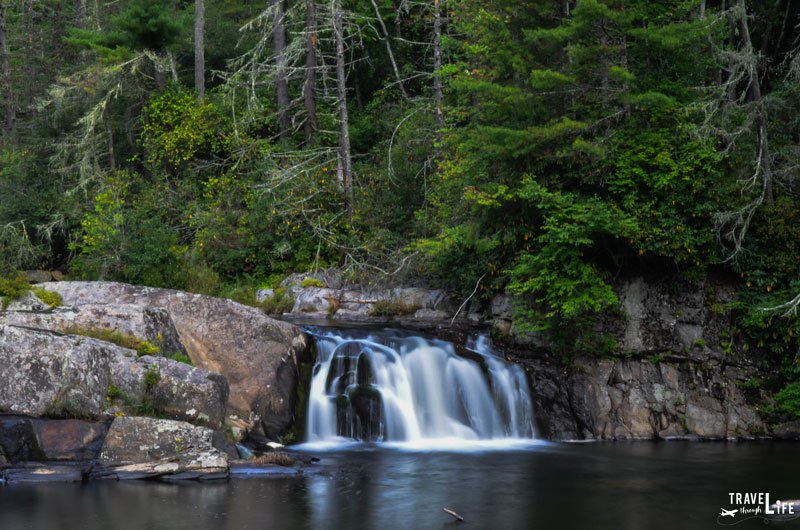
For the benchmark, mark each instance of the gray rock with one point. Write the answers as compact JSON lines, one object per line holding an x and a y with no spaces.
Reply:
{"x":264,"y":294}
{"x":149,"y":323}
{"x":69,"y":439}
{"x":38,"y":276}
{"x":257,"y":354}
{"x":18,"y":441}
{"x":432,"y":314}
{"x":44,"y":374}
{"x":636,"y":399}
{"x":28,"y":302}
{"x":37,"y":473}
{"x":138,"y":447}
{"x":315,"y":300}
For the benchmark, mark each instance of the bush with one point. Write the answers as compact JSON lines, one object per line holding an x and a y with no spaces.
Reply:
{"x":13,"y":286}
{"x":788,"y":399}
{"x":280,"y":302}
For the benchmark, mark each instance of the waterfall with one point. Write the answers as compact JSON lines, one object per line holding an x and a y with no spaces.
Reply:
{"x":384,"y":387}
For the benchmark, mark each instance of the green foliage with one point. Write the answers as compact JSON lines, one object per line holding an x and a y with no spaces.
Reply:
{"x":113,"y":336}
{"x":181,"y":358}
{"x":176,"y":130}
{"x":392,"y":307}
{"x":312,"y":282}
{"x":51,"y":298}
{"x":151,"y":377}
{"x":12,"y":286}
{"x":280,"y":302}
{"x":788,"y":399}
{"x":114,"y":393}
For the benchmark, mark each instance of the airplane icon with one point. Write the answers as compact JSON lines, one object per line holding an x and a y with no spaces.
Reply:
{"x":723,"y":512}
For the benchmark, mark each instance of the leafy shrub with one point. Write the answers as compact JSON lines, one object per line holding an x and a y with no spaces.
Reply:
{"x":788,"y":399}
{"x":280,"y":302}
{"x":151,"y":377}
{"x":13,"y":286}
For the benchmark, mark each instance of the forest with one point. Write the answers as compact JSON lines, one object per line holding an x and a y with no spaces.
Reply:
{"x":542,"y":148}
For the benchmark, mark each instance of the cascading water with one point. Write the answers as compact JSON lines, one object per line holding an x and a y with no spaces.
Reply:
{"x":385,"y":387}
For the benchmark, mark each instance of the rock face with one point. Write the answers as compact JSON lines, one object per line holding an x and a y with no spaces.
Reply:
{"x":138,"y":447}
{"x":639,"y":399}
{"x":149,"y":323}
{"x":338,"y":301}
{"x":667,"y":376}
{"x":48,"y":374}
{"x":257,"y":355}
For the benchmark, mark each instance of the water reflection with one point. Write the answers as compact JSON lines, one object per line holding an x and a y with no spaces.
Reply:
{"x":614,"y":486}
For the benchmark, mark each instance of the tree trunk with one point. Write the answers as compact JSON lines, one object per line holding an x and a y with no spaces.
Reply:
{"x":389,"y":51}
{"x":437,"y":69}
{"x":281,"y":84}
{"x":310,"y":84}
{"x":159,"y":78}
{"x":199,"y":49}
{"x":5,"y":74}
{"x":80,"y":13}
{"x":703,"y":10}
{"x":112,"y":159}
{"x":345,"y":162}
{"x":764,"y":160}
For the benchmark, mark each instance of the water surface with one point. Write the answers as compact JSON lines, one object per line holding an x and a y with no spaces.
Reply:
{"x":671,"y":485}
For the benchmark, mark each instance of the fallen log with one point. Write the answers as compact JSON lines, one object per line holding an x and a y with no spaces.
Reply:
{"x":448,"y":511}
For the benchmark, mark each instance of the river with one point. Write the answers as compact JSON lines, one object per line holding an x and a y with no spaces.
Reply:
{"x":637,"y":485}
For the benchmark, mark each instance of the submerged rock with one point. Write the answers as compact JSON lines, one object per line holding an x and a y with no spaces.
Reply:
{"x":257,"y":354}
{"x":137,"y":447}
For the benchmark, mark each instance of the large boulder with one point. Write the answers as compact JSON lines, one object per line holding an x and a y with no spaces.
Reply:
{"x":152,"y":324}
{"x":257,"y":354}
{"x":46,"y":374}
{"x":137,"y":447}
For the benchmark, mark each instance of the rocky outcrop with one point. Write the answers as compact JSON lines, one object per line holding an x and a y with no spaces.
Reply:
{"x":628,"y":399}
{"x":663,"y":372}
{"x":45,"y":374}
{"x":257,"y":355}
{"x":341,"y":302}
{"x":137,"y":447}
{"x":152,"y":324}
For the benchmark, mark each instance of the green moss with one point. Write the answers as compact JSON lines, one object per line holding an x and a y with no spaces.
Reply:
{"x":52,"y":299}
{"x":181,"y":358}
{"x":113,"y":336}
{"x":312,"y":282}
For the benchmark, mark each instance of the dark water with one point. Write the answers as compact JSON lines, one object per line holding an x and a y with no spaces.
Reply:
{"x":675,"y":485}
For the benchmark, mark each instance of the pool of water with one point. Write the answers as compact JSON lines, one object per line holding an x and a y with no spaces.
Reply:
{"x":618,"y":486}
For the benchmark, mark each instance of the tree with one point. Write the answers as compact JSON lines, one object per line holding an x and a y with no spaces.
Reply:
{"x":5,"y":74}
{"x":199,"y":49}
{"x":281,"y":81}
{"x":345,"y":166}
{"x":310,"y":83}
